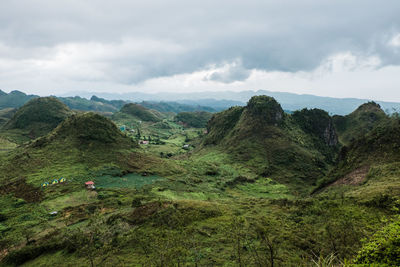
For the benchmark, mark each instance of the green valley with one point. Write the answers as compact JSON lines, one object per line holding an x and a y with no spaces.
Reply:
{"x":165,"y":185}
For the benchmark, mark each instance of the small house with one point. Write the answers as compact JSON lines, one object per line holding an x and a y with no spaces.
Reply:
{"x":186,"y":146}
{"x":55,"y":181}
{"x":62,"y":180}
{"x":90,"y":185}
{"x":143,"y":142}
{"x":45,"y":184}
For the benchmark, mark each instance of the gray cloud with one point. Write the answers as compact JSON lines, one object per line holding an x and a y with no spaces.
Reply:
{"x":129,"y":42}
{"x":229,"y":73}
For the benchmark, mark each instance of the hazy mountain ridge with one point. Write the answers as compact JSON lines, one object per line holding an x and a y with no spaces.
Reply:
{"x":205,"y":101}
{"x":225,"y":99}
{"x":16,"y":99}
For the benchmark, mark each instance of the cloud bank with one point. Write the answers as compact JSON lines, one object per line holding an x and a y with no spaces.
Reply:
{"x":336,"y":48}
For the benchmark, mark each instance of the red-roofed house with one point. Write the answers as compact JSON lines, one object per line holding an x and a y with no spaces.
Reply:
{"x":90,"y":185}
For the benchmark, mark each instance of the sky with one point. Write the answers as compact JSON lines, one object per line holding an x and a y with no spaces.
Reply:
{"x":335,"y":48}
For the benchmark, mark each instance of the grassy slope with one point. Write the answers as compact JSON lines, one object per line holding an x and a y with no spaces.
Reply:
{"x":359,"y":122}
{"x":5,"y":115}
{"x":141,"y":113}
{"x":34,"y":119}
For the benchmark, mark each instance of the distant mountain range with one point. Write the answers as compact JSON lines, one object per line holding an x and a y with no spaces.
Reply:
{"x":197,"y":101}
{"x":226,"y":99}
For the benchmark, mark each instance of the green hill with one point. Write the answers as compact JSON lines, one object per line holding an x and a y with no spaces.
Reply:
{"x":85,"y":130}
{"x":295,"y":149}
{"x":76,"y":145}
{"x":80,"y":103}
{"x":115,"y":103}
{"x":38,"y":117}
{"x":6,"y":114}
{"x":379,"y":146}
{"x":141,"y":113}
{"x":196,"y":119}
{"x":359,"y":122}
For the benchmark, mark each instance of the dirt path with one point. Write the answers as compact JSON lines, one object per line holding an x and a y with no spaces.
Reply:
{"x":356,"y":177}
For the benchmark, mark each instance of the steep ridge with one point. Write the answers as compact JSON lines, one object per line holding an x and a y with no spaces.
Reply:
{"x":86,"y":129}
{"x":81,"y":141}
{"x":6,"y":114}
{"x":380,"y":145}
{"x":38,"y":117}
{"x":359,"y":122}
{"x":139,"y":112}
{"x":371,"y":159}
{"x":197,"y":119}
{"x":292,"y":148}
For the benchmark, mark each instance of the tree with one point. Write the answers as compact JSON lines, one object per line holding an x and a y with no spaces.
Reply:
{"x":162,"y":247}
{"x":238,"y":237}
{"x":138,"y":135}
{"x":96,"y":242}
{"x":383,"y":248}
{"x":265,"y":248}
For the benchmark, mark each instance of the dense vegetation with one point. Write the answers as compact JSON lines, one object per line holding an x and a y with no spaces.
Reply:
{"x":6,"y":114}
{"x":197,"y":119}
{"x":38,"y":117}
{"x":359,"y":122}
{"x":175,"y":107}
{"x":255,"y":187}
{"x":141,"y":113}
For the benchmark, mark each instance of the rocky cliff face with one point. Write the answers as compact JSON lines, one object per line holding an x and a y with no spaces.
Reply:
{"x":318,"y":123}
{"x":330,"y":136}
{"x":265,"y":108}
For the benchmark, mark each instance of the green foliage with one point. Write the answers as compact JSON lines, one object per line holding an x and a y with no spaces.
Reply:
{"x":38,"y":117}
{"x":266,"y":108}
{"x":197,"y":119}
{"x":96,"y":243}
{"x":89,"y":127}
{"x":18,"y":257}
{"x":272,"y":143}
{"x":174,"y":107}
{"x":6,"y":114}
{"x":115,"y":103}
{"x":359,"y":122}
{"x":381,"y":144}
{"x":80,"y":103}
{"x":383,"y":248}
{"x":318,"y":123}
{"x":141,"y":112}
{"x":221,"y":123}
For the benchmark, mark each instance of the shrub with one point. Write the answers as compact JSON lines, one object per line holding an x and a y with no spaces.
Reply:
{"x":383,"y":248}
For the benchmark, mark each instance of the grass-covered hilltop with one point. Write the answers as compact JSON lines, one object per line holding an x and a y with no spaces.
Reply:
{"x":162,"y":185}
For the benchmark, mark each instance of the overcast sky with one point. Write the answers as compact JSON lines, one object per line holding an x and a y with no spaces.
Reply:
{"x":337,"y":48}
